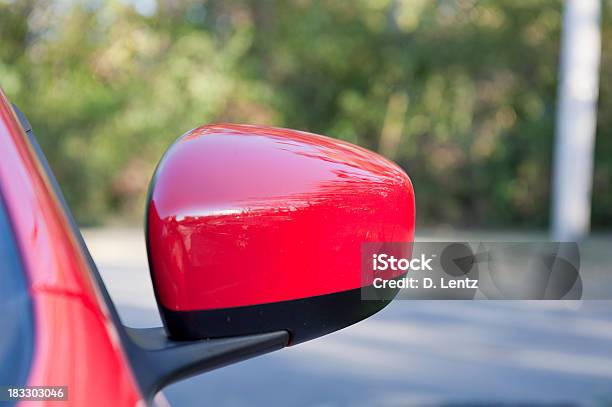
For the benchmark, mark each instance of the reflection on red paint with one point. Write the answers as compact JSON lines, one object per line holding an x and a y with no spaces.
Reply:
{"x":242,"y":215}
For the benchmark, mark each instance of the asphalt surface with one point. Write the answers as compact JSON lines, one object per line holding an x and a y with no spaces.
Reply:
{"x":456,"y":353}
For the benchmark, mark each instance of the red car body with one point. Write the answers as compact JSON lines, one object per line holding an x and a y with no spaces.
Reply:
{"x":76,"y":343}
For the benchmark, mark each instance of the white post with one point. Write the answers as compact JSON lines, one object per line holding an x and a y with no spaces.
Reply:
{"x":576,"y":120}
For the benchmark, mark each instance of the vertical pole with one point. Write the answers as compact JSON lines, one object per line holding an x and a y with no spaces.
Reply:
{"x":576,"y":120}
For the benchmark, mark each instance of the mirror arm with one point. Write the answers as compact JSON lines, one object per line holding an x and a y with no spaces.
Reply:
{"x":158,"y":361}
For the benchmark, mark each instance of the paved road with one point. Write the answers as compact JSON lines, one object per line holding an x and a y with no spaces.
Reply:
{"x":411,"y":353}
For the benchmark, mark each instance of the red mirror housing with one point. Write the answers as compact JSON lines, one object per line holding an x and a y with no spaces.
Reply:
{"x":253,"y":229}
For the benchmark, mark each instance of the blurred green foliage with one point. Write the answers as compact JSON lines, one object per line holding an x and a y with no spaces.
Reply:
{"x":460,"y":93}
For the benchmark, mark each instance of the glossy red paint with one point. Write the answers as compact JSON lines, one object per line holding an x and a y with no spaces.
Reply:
{"x":76,"y":342}
{"x":243,"y":215}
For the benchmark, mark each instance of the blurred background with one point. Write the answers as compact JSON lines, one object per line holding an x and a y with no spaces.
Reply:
{"x":462,"y":94}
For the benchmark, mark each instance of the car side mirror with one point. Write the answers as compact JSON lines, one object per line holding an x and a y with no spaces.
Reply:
{"x":254,"y":229}
{"x":254,"y":241}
